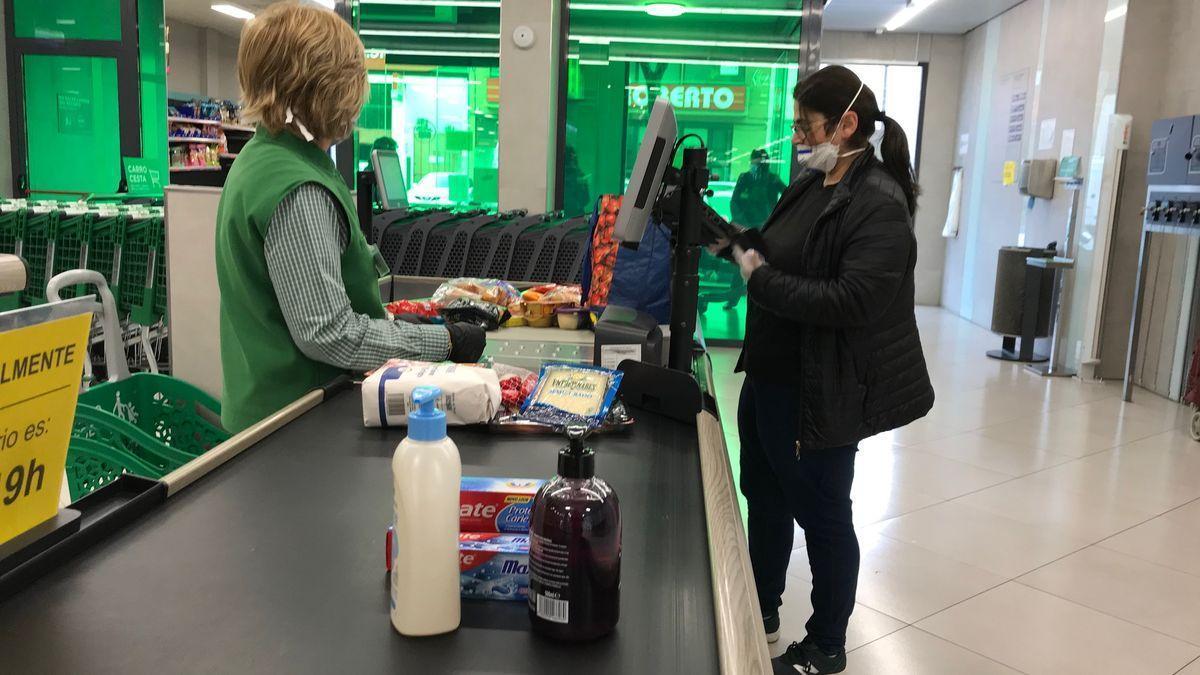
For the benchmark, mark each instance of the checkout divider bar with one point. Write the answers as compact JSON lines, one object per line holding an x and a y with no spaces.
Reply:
{"x":202,"y":465}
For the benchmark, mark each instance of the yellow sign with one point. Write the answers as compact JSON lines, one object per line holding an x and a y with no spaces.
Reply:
{"x":40,"y":367}
{"x":1010,"y":172}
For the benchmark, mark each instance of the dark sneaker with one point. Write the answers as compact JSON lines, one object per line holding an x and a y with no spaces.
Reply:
{"x":806,"y":657}
{"x":771,"y":626}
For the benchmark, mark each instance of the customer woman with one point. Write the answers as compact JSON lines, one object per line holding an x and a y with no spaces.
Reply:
{"x":299,"y":290}
{"x":831,"y":354}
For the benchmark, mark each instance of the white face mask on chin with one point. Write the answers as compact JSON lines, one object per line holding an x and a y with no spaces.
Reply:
{"x":824,"y":157}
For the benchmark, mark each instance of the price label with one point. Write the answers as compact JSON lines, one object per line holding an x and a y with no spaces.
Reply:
{"x":40,"y":368}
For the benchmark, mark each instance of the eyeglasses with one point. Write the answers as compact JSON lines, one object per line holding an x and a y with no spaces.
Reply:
{"x":803,"y":127}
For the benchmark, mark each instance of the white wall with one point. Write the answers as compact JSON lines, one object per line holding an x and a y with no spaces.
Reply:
{"x":203,"y":62}
{"x":943,"y":55}
{"x":1050,"y":50}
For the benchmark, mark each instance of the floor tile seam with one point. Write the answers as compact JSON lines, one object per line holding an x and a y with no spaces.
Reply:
{"x":1192,"y":643}
{"x":979,"y":654}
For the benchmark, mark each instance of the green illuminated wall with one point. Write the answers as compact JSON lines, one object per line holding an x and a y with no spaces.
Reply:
{"x":152,"y":64}
{"x":71,"y":118}
{"x":72,"y":109}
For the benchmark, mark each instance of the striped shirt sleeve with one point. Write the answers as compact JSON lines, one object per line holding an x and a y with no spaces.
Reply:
{"x":303,"y":247}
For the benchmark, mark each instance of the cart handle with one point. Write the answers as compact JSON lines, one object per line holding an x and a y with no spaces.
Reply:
{"x":114,"y":347}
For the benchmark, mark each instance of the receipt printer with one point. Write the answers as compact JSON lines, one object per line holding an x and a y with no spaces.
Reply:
{"x":623,"y":333}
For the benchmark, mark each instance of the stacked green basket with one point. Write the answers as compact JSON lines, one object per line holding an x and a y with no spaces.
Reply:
{"x":148,"y":425}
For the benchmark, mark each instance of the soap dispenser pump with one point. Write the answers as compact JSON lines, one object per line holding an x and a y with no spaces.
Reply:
{"x":575,"y":549}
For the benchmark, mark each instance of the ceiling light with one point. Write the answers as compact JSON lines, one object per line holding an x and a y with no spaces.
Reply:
{"x":583,"y":39}
{"x":604,"y":39}
{"x":664,"y":9}
{"x":725,"y":11}
{"x":386,"y":32}
{"x":234,"y":11}
{"x":1116,"y":13}
{"x":437,"y":53}
{"x":490,"y":4}
{"x":905,"y":15}
{"x":701,"y":62}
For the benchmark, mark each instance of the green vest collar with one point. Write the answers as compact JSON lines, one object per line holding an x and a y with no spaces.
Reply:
{"x":296,"y":144}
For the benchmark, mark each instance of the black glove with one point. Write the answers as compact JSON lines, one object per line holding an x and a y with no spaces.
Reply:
{"x":466,"y":342}
{"x":414,"y":318}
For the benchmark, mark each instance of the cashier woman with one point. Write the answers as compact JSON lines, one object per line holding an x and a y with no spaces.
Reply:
{"x":300,"y":300}
{"x":831,"y":354}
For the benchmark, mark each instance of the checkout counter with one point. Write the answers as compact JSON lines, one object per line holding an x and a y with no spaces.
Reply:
{"x":266,"y":554}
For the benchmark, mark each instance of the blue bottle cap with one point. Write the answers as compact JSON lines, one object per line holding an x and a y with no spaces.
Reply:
{"x":426,"y":422}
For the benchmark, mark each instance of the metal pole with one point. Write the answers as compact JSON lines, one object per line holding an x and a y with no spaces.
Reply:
{"x":1136,"y":318}
{"x":685,"y":283}
{"x":809,"y":57}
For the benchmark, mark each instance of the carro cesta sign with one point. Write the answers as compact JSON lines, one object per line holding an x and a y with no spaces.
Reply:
{"x":709,"y":97}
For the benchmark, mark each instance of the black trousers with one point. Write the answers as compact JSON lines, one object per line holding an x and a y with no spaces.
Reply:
{"x":811,"y":487}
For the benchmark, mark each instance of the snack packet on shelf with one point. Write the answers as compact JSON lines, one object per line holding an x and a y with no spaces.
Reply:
{"x":567,"y":394}
{"x":470,"y":395}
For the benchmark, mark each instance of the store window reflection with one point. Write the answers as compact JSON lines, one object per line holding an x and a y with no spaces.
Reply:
{"x":443,"y":123}
{"x":729,"y":75}
{"x":434,"y":73}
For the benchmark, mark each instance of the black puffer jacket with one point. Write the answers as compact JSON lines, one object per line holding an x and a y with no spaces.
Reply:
{"x":859,"y":352}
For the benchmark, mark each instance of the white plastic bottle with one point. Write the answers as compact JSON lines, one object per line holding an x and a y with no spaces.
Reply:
{"x":426,"y":472}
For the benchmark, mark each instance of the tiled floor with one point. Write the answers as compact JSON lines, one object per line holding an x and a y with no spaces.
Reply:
{"x":1026,"y":525}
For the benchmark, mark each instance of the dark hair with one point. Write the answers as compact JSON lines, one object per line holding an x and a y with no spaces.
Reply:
{"x":759,"y":154}
{"x":829,"y":90}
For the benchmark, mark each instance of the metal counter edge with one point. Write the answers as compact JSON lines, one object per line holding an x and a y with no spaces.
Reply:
{"x":741,"y":642}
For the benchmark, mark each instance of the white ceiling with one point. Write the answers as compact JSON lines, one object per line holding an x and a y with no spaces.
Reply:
{"x":944,"y":16}
{"x":200,"y":13}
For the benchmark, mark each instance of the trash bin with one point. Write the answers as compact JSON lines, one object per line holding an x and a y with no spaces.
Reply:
{"x":1008,"y":305}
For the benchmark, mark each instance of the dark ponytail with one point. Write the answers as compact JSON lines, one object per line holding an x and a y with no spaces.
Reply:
{"x":894,"y":148}
{"x":829,"y":90}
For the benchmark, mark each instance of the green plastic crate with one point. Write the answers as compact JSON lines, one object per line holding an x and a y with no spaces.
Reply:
{"x":171,"y":411}
{"x":92,"y":465}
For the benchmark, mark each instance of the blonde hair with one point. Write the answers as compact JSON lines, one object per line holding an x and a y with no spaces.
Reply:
{"x":307,"y":59}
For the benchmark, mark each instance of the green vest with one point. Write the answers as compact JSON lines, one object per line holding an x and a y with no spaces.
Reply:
{"x":264,"y":370}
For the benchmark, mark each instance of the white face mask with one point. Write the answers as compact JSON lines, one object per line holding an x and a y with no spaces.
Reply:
{"x":824,"y":157}
{"x":290,"y":118}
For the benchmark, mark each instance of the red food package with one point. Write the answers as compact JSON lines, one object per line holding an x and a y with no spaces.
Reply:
{"x":419,"y":308}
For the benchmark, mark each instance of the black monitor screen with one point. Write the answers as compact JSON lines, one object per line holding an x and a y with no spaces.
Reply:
{"x":390,"y":179}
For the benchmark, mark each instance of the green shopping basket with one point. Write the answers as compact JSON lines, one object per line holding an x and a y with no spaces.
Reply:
{"x":38,"y":253}
{"x":98,"y":425}
{"x":102,"y":246}
{"x":67,"y":236}
{"x":143,"y":270}
{"x":172,"y":412}
{"x":92,"y":465}
{"x":12,"y":229}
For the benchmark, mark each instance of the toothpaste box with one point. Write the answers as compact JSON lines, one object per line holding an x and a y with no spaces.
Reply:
{"x":494,"y":566}
{"x":496,"y":504}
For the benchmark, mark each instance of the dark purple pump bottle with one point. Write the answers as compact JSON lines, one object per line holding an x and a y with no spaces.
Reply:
{"x":575,"y":550}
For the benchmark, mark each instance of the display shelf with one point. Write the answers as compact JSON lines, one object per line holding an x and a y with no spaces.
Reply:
{"x":237,"y":127}
{"x":189,"y":120}
{"x":181,"y":169}
{"x":174,"y":139}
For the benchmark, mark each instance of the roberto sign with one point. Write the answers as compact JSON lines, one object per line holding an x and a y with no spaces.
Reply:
{"x":713,"y":98}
